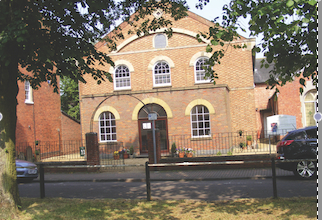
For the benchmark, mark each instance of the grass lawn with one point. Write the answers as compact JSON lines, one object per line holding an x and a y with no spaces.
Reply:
{"x":60,"y":208}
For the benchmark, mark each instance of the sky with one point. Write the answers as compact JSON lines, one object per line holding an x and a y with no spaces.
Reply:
{"x":214,"y":9}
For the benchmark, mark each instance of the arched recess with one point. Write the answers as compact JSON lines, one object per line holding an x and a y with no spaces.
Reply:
{"x":106,"y":108}
{"x":159,"y":58}
{"x":149,"y":101}
{"x":199,"y":102}
{"x":175,"y":30}
{"x":197,"y":55}
{"x":122,"y":62}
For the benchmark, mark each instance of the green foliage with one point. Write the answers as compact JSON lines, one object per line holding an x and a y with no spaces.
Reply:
{"x":173,"y":148}
{"x":248,"y":137}
{"x":56,"y":38}
{"x":70,"y":97}
{"x":131,"y":150}
{"x":218,"y":153}
{"x":289,"y":30}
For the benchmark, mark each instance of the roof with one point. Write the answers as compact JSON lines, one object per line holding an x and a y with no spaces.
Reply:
{"x":68,"y":116}
{"x":261,"y":75}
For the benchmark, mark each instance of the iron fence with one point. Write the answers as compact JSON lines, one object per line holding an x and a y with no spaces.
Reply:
{"x":224,"y":144}
{"x":72,"y":150}
{"x":112,"y":154}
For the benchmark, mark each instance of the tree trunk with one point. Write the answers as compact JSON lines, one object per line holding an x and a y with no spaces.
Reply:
{"x":9,"y":194}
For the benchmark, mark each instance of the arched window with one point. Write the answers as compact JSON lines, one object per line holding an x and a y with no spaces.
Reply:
{"x":199,"y":71}
{"x":122,"y":78}
{"x":200,"y":121}
{"x":160,"y":41}
{"x":161,"y":74}
{"x":310,"y":107}
{"x":107,"y":127}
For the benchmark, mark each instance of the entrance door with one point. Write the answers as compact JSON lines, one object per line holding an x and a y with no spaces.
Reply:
{"x":145,"y":126}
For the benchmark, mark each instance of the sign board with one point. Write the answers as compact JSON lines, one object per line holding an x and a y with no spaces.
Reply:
{"x":146,"y":126}
{"x":82,"y":151}
{"x":152,"y":116}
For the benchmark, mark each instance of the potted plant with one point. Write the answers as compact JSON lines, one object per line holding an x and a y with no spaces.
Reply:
{"x":242,"y":145}
{"x":116,"y":155}
{"x":125,"y":152}
{"x":173,"y":149}
{"x":249,"y":140}
{"x":131,"y":151}
{"x":240,"y":132}
{"x":181,"y":152}
{"x":189,"y":152}
{"x":36,"y":142}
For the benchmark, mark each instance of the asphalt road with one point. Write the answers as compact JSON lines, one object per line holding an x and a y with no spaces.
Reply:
{"x":229,"y":189}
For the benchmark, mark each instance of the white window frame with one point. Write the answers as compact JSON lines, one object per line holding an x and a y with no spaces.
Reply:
{"x":197,"y":121}
{"x":155,"y":84}
{"x":110,"y":125}
{"x":122,"y":78}
{"x":200,"y":71}
{"x":28,"y":93}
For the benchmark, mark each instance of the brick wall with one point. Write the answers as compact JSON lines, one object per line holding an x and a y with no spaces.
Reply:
{"x":40,"y":120}
{"x":71,"y":128}
{"x":232,"y":98}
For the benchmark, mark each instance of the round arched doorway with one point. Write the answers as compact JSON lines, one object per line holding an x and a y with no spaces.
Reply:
{"x":145,"y":126}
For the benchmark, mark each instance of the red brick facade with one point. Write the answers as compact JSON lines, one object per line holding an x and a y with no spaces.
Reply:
{"x":41,"y":118}
{"x":231,"y":101}
{"x":71,"y":128}
{"x":289,"y":101}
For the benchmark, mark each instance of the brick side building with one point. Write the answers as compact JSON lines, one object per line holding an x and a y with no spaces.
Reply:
{"x":38,"y":114}
{"x":289,"y":101}
{"x":39,"y":118}
{"x":156,"y":74}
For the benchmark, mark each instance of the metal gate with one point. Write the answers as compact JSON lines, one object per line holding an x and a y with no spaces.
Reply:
{"x":109,"y":155}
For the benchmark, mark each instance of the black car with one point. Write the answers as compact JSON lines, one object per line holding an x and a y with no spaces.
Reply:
{"x":299,"y":144}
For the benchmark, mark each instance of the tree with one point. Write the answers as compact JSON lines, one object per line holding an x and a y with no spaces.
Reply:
{"x":69,"y":97}
{"x":289,"y":31}
{"x":54,"y":38}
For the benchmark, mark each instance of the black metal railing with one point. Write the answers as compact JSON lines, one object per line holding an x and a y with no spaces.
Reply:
{"x":51,"y":150}
{"x":224,"y":144}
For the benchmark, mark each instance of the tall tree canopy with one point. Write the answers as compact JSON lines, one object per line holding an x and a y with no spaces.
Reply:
{"x":70,"y":97}
{"x":289,"y":30}
{"x":51,"y":38}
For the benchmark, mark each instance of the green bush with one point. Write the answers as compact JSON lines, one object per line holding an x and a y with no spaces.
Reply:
{"x":174,"y":148}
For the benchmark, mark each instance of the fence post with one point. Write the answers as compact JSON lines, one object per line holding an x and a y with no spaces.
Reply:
{"x":274,"y":178}
{"x":42,"y":180}
{"x":147,"y":180}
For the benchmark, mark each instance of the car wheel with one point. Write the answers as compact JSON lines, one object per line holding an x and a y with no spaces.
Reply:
{"x":305,"y":169}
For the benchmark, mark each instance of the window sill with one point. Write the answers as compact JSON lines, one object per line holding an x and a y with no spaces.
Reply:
{"x":162,"y":86}
{"x":122,"y":89}
{"x":203,"y":82}
{"x":108,"y":142}
{"x":29,"y":102}
{"x":201,"y":138}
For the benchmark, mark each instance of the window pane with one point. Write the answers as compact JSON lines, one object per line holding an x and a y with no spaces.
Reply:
{"x":122,"y":77}
{"x":107,"y":126}
{"x":200,"y":121}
